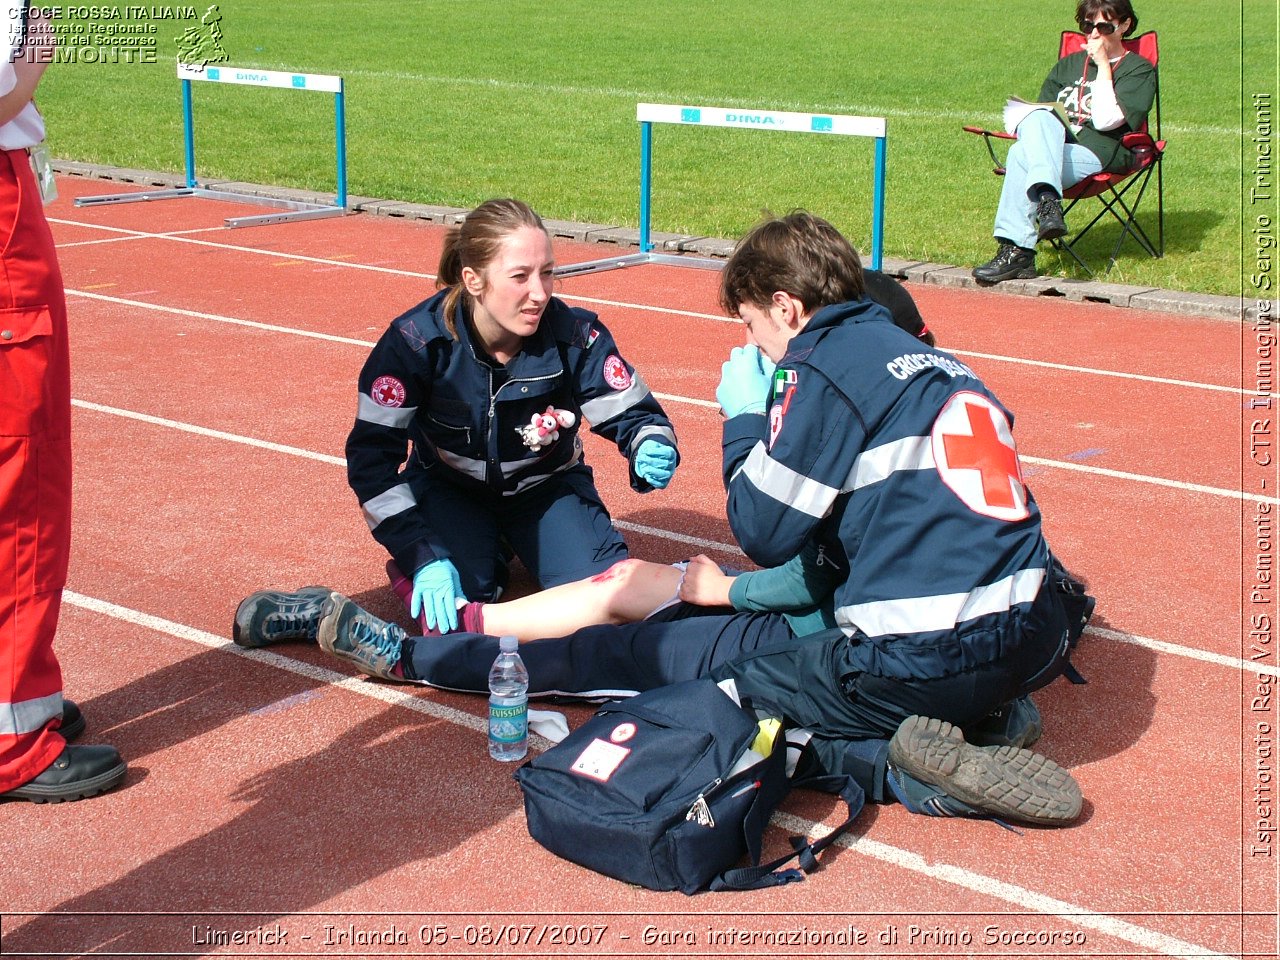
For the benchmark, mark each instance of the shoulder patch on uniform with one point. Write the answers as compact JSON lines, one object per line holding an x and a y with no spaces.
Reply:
{"x":387,"y":392}
{"x":616,"y":373}
{"x":974,"y":452}
{"x":585,"y":330}
{"x":779,"y":409}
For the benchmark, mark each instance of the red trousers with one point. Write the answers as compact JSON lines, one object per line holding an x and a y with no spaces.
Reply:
{"x":35,"y":476}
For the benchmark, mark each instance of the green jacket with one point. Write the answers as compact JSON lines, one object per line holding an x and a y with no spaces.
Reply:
{"x":801,"y":589}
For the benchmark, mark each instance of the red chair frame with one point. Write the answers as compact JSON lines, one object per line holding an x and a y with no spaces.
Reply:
{"x":1112,"y":189}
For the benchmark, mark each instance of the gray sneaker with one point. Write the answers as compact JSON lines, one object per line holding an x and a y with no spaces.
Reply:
{"x":269,"y":616}
{"x":352,"y":633}
{"x":1002,"y":783}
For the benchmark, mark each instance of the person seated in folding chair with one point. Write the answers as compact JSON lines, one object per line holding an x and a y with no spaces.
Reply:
{"x":1106,"y":92}
{"x":896,"y":460}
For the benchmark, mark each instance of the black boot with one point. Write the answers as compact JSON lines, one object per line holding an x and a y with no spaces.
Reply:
{"x":78,"y":772}
{"x":1011,"y":262}
{"x":1049,"y":218}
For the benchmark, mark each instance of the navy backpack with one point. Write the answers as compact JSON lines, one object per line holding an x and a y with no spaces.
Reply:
{"x":667,"y":790}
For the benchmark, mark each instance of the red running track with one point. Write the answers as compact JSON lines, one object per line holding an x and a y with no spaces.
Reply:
{"x":276,"y":793}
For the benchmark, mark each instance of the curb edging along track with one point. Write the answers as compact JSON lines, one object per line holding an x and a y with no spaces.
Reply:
{"x":1208,"y":305}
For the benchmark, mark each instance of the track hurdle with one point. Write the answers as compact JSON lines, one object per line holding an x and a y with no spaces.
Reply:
{"x":292,"y":209}
{"x":650,"y":113}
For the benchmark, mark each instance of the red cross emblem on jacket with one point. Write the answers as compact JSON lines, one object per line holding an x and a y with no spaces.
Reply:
{"x":977,"y":459}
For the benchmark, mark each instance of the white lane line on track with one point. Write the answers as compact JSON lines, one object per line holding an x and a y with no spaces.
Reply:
{"x":219,"y":318}
{"x":95,"y":243}
{"x":298,"y":332}
{"x":1020,"y":897}
{"x":727,"y":548}
{"x":675,"y":398}
{"x":131,"y":235}
{"x":301,"y":258}
{"x":1096,"y":372}
{"x":1161,"y":646}
{"x":1144,"y":478}
{"x":1037,"y":461}
{"x":237,"y":248}
{"x":206,"y":432}
{"x":341,"y":462}
{"x":1012,"y":893}
{"x":358,"y":685}
{"x":679,"y":537}
{"x":625,"y":305}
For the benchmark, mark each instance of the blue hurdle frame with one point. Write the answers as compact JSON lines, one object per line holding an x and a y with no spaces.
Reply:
{"x":650,"y":113}
{"x":248,"y":76}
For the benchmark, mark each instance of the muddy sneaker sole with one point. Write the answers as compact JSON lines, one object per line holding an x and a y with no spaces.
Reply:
{"x":1003,"y":782}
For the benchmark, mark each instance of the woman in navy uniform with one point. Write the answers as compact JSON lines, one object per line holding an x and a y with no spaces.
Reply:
{"x":489,"y":380}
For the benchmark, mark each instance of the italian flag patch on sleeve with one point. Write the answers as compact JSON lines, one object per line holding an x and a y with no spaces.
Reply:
{"x":781,"y":380}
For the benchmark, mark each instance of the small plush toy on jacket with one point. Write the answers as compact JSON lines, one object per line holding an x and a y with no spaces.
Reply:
{"x":543,"y":428}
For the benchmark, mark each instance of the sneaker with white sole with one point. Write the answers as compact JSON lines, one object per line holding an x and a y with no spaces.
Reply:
{"x":352,"y":633}
{"x":953,"y":778}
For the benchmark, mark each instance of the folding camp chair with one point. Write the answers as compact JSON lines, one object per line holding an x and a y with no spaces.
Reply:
{"x":1113,"y":190}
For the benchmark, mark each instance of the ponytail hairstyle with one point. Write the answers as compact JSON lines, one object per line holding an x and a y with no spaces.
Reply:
{"x":475,"y":244}
{"x":800,"y":254}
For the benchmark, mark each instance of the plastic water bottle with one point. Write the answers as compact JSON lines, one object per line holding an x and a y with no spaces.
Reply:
{"x":508,"y":704}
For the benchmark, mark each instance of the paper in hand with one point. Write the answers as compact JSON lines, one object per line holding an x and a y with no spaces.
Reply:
{"x":1016,"y":110}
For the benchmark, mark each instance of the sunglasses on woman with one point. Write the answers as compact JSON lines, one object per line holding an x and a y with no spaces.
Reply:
{"x":1102,"y":26}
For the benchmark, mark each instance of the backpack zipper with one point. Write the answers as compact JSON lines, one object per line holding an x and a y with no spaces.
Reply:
{"x":700,"y":812}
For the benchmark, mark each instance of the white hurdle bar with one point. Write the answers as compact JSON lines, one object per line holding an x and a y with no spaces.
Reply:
{"x":248,"y":76}
{"x":746,"y":118}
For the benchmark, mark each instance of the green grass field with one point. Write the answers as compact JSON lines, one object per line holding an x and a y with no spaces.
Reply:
{"x":450,"y":102}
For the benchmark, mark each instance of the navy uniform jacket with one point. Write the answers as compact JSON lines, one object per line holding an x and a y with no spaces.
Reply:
{"x":463,"y":411}
{"x":899,"y":453}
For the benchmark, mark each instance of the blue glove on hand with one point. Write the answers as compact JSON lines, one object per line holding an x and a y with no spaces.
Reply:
{"x":436,"y":591}
{"x":655,"y":463}
{"x":744,"y":381}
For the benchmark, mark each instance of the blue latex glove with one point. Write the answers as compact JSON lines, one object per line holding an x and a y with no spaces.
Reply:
{"x":436,"y":591}
{"x":744,"y":381}
{"x":655,"y":463}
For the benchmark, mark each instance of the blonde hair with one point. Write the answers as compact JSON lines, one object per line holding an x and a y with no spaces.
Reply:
{"x":475,"y":243}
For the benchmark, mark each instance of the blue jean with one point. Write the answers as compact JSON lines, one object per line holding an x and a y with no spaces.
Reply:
{"x":1041,"y":154}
